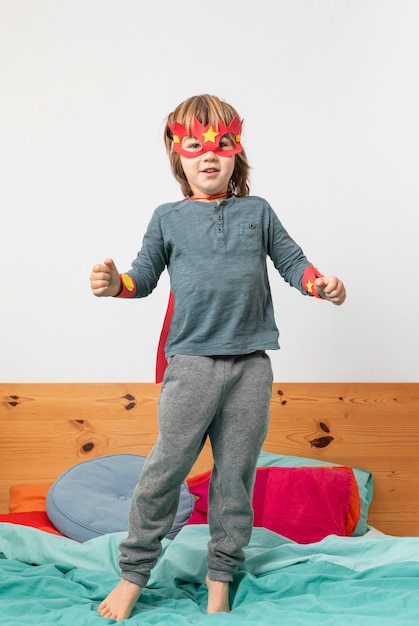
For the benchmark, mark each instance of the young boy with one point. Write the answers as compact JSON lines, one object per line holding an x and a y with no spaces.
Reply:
{"x":214,"y":244}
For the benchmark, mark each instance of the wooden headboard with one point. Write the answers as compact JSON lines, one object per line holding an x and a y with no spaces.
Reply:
{"x":46,"y":428}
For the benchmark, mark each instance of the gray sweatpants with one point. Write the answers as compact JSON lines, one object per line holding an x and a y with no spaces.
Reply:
{"x":226,"y":398}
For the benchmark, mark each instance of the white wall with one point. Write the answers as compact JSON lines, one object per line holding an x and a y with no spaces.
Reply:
{"x":330,"y":95}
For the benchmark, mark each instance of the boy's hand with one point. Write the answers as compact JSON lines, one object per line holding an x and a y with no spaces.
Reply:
{"x":104,"y":279}
{"x":331,"y":288}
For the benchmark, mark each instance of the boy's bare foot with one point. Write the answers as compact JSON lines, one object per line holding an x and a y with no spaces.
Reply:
{"x":121,"y":600}
{"x":218,"y":601}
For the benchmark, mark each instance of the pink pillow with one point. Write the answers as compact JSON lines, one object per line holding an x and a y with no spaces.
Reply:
{"x":304,"y":504}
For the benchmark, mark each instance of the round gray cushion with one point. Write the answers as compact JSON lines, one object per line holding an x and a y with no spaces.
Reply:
{"x":93,"y":498}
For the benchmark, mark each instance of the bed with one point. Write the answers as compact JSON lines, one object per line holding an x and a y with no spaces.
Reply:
{"x":367,"y":574}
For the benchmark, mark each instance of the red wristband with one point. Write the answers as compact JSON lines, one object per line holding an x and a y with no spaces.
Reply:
{"x":309,"y":276}
{"x":128,"y":287}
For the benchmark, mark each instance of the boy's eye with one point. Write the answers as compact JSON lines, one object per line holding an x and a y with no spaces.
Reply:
{"x":226,"y":143}
{"x":192,"y":145}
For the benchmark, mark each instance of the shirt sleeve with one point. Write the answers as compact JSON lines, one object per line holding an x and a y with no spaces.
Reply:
{"x":148,"y":265}
{"x":289,"y":258}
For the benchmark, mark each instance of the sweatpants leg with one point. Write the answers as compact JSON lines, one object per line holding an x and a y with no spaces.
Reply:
{"x":237,"y":434}
{"x":189,"y":399}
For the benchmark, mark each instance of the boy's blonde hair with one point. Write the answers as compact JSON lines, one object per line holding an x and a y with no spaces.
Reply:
{"x":209,"y":110}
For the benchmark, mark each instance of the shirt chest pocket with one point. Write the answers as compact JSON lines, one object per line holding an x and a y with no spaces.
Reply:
{"x":250,"y":236}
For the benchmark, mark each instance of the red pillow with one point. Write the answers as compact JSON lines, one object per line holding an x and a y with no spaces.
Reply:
{"x":304,"y":504}
{"x":35,"y":519}
{"x":198,"y":486}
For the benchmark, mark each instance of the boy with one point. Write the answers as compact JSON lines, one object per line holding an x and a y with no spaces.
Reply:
{"x":214,"y":243}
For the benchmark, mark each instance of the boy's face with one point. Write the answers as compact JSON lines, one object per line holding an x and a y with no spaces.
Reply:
{"x":209,"y":173}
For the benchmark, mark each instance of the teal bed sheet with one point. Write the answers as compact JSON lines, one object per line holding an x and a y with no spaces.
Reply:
{"x":340,"y":581}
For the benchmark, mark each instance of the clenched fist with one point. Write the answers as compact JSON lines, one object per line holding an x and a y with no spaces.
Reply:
{"x":104,"y":279}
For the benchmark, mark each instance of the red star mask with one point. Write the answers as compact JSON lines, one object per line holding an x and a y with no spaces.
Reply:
{"x":207,"y":137}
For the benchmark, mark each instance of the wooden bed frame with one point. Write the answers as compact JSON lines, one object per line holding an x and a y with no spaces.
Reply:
{"x":46,"y":428}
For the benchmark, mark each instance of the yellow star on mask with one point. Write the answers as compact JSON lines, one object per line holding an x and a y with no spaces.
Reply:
{"x":210,"y":135}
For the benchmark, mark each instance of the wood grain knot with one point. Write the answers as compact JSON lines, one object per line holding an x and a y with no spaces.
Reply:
{"x":88,"y":447}
{"x":13,"y":400}
{"x":281,"y":393}
{"x":131,"y":401}
{"x":321,"y":442}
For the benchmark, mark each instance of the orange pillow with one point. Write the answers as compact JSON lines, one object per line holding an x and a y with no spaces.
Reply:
{"x":24,"y":498}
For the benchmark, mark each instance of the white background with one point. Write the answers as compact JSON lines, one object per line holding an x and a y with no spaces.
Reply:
{"x":329,"y":91}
